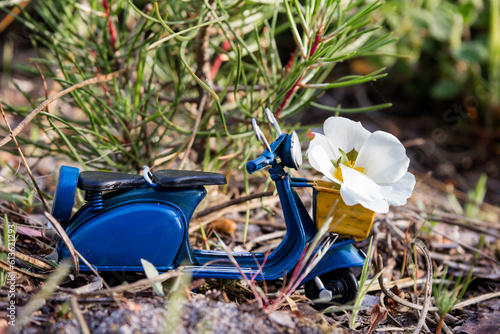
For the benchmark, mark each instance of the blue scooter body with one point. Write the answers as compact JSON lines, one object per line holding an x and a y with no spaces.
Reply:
{"x":144,"y":220}
{"x":146,"y":223}
{"x":152,"y":223}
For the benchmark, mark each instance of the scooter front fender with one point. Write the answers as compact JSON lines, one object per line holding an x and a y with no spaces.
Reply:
{"x":340,"y":255}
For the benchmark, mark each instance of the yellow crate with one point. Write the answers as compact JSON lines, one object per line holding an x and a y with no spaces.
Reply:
{"x":357,"y":221}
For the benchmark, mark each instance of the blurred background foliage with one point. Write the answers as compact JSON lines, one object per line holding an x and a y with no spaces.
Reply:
{"x":195,"y":72}
{"x":451,"y":50}
{"x":445,"y":69}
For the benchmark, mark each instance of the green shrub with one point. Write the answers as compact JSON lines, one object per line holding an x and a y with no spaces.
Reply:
{"x":194,"y":73}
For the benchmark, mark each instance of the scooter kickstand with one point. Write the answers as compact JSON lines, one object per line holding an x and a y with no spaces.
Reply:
{"x":324,"y":294}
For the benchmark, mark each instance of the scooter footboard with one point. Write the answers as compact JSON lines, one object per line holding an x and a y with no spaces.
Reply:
{"x":340,"y":255}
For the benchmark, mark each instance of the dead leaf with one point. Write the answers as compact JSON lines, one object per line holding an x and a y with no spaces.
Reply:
{"x":390,"y":303}
{"x":378,"y":315}
{"x":31,"y":232}
{"x":223,"y":225}
{"x":293,"y":305}
{"x":151,"y":272}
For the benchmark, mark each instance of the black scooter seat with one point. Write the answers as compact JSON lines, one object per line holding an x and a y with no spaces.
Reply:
{"x":186,"y":178}
{"x":104,"y":181}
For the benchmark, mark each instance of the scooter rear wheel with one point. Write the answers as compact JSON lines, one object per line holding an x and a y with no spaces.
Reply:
{"x":342,"y":283}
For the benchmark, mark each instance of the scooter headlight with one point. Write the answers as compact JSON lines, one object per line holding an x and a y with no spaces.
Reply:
{"x":290,"y":151}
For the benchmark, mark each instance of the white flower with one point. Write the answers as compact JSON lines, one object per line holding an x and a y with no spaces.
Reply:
{"x":371,"y":168}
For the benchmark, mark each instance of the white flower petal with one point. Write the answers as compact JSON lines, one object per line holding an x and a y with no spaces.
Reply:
{"x":348,"y":195}
{"x":357,"y":187}
{"x":383,"y":157}
{"x":398,"y":193}
{"x":376,"y":206}
{"x":318,"y":158}
{"x":322,"y":141}
{"x":344,"y":134}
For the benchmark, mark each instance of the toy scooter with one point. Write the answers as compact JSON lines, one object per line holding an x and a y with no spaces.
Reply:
{"x":132,"y":217}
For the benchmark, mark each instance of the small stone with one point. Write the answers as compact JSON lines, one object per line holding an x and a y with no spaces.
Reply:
{"x":282,"y":318}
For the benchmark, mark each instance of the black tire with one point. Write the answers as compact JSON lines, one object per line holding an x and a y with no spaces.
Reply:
{"x":342,"y":283}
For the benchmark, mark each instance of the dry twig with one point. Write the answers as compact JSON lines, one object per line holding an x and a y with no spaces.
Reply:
{"x":462,"y":222}
{"x":464,"y":245}
{"x":446,"y":188}
{"x":7,"y":20}
{"x":27,"y":259}
{"x":67,"y":241}
{"x":6,"y":266}
{"x":445,"y":327}
{"x":79,"y":316}
{"x":123,"y":288}
{"x":428,"y":285}
{"x":35,"y":184}
{"x":44,"y":104}
{"x":38,"y":300}
{"x":390,"y":294}
{"x":477,"y":299}
{"x":231,"y":202}
{"x":74,"y":253}
{"x":201,"y":108}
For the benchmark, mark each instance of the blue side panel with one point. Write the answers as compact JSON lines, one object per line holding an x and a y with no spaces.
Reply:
{"x":119,"y":237}
{"x":149,"y":223}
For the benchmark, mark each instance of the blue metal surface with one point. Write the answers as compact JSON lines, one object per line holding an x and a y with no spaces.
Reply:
{"x":148,"y":223}
{"x":300,"y":184}
{"x":64,"y":197}
{"x":281,"y":260}
{"x":299,"y":179}
{"x":127,"y":234}
{"x":341,"y":254}
{"x":267,"y":157}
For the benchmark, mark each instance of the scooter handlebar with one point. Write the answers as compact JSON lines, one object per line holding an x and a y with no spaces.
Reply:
{"x":257,"y":164}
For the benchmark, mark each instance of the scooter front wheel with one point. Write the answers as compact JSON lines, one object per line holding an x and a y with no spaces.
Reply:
{"x":342,"y":284}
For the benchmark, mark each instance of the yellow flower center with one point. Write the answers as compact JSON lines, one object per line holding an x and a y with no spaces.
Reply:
{"x":338,"y":171}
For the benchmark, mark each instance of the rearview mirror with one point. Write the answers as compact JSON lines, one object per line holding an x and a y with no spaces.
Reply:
{"x":259,"y":134}
{"x":272,"y":120}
